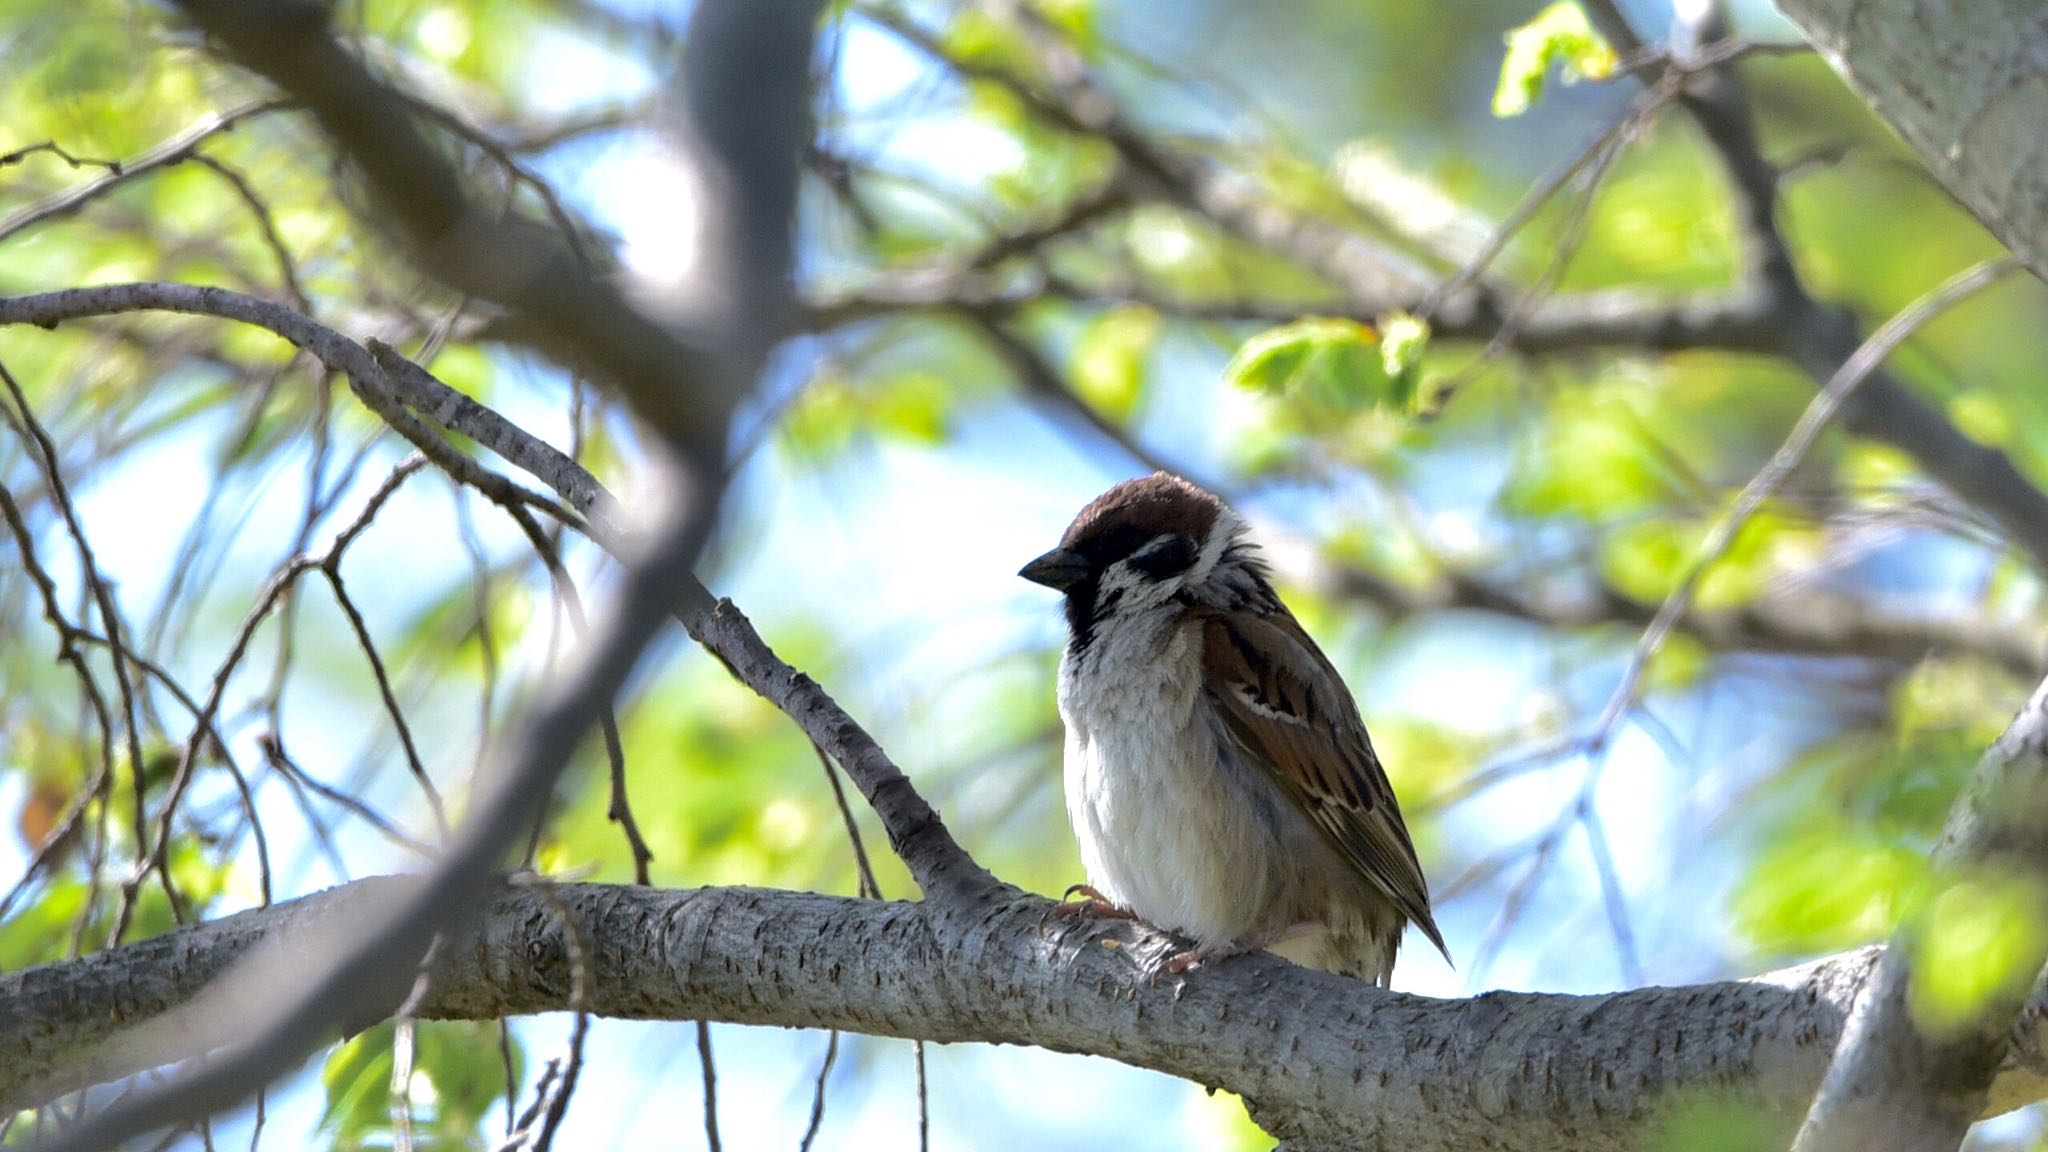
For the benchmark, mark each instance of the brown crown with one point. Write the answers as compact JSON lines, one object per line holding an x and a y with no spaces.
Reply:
{"x":1156,"y":504}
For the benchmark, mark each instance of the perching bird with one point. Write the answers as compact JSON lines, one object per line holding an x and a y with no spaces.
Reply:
{"x":1218,"y":775}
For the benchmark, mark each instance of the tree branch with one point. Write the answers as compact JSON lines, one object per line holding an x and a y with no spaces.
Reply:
{"x":524,"y":264}
{"x":1793,"y":622}
{"x":1896,"y":1081}
{"x":1966,"y":85}
{"x":747,"y":72}
{"x":1772,"y":312}
{"x":1324,"y":1060}
{"x":1819,"y":338}
{"x":389,"y":384}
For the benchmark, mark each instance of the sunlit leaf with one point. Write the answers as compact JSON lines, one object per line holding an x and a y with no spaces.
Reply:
{"x":1980,"y":941}
{"x":912,"y":406}
{"x":1829,"y":888}
{"x":1967,"y":696}
{"x":457,"y":1073}
{"x":40,"y":929}
{"x":1592,"y":459}
{"x":357,"y":1080}
{"x":1330,"y":363}
{"x":1984,"y":416}
{"x":1559,"y":33}
{"x":1647,"y":559}
{"x":1403,"y":338}
{"x":1110,"y":359}
{"x":822,"y":419}
{"x":1679,"y":663}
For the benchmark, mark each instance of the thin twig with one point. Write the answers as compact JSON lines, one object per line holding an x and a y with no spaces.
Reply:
{"x":1818,"y":415}
{"x":402,"y":1047}
{"x":111,"y":621}
{"x":172,"y":151}
{"x":818,"y":1092}
{"x":52,"y":148}
{"x":709,"y":1068}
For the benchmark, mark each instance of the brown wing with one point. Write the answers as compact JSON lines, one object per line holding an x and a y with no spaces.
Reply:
{"x":1285,"y":706}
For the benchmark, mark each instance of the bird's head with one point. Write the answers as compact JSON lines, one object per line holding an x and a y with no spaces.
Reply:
{"x":1144,"y":545}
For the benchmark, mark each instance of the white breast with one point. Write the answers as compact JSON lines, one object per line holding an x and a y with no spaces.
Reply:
{"x":1164,"y":828}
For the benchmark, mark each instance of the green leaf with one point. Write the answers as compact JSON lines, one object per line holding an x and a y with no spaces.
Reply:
{"x":1560,"y":32}
{"x":1984,"y":416}
{"x":41,"y":930}
{"x":822,"y":419}
{"x":1647,"y":559}
{"x":1402,"y":341}
{"x":1954,"y":694}
{"x":457,"y":1074}
{"x":1593,"y":460}
{"x":1680,"y":662}
{"x":357,"y":1077}
{"x":914,"y":406}
{"x":1329,"y":363}
{"x":1110,"y":358}
{"x":1823,"y":889}
{"x":1978,"y":944}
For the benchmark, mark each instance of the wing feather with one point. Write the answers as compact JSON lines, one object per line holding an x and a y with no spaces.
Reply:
{"x":1285,"y":706}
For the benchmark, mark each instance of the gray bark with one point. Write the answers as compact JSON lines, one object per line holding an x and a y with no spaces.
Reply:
{"x":1966,"y":83}
{"x":1893,"y":1084}
{"x":1324,"y":1061}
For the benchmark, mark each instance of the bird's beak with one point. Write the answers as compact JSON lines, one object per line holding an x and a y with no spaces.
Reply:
{"x":1059,"y":569}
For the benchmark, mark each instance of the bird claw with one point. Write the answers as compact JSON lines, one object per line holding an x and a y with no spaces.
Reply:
{"x":1181,"y":963}
{"x":1093,"y":905}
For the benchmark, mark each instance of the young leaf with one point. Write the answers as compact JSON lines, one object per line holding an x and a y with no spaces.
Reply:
{"x":1329,"y":363}
{"x":1402,"y":340}
{"x":1980,"y":943}
{"x":1560,"y":32}
{"x":1110,"y":358}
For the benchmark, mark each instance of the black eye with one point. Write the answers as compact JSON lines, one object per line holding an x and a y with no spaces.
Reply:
{"x":1164,"y":556}
{"x":1107,"y":548}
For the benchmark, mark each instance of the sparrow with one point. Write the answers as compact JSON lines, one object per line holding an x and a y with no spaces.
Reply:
{"x":1218,"y":775}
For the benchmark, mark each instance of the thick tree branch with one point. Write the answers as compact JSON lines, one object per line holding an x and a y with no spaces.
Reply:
{"x":1966,"y":85}
{"x":1325,"y":1061}
{"x":1896,"y":1081}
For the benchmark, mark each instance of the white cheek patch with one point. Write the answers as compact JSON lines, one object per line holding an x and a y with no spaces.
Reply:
{"x":1131,"y":589}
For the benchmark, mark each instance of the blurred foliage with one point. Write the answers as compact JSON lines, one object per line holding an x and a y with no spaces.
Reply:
{"x":1975,"y":944}
{"x":1705,"y":1124}
{"x":1559,"y":34}
{"x":1802,"y":795}
{"x":457,"y":1074}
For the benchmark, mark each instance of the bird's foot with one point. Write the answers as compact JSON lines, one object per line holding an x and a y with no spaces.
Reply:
{"x":1181,"y":963}
{"x":1092,"y":905}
